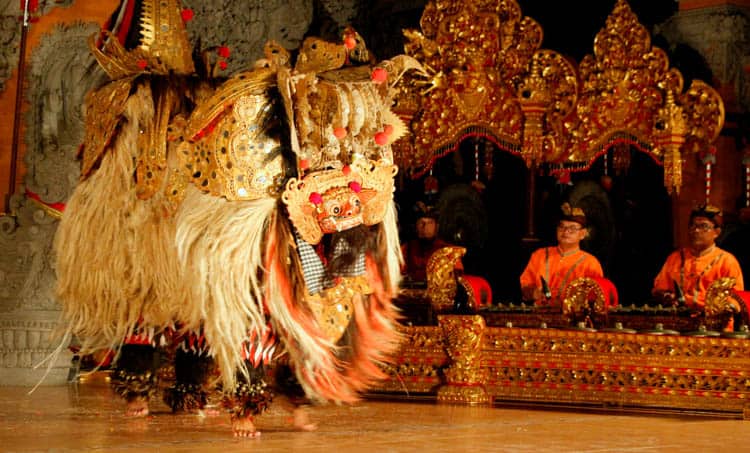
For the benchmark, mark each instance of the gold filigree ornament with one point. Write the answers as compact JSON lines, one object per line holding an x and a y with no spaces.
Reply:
{"x":235,"y":151}
{"x":327,"y":201}
{"x":151,"y":167}
{"x":583,"y":297}
{"x":465,"y":376}
{"x":718,"y":297}
{"x":340,"y":114}
{"x":670,"y":129}
{"x":489,"y":78}
{"x":629,"y":94}
{"x":163,"y":49}
{"x":333,"y":308}
{"x":441,"y":277}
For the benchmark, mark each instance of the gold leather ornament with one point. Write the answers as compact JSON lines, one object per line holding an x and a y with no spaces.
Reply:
{"x":235,"y":152}
{"x":334,"y":307}
{"x":164,"y":45}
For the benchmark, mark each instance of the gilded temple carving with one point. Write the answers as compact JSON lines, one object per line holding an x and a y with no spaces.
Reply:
{"x":630,"y":94}
{"x":491,"y":79}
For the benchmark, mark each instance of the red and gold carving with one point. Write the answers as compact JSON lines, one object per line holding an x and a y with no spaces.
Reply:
{"x":481,"y":54}
{"x":575,"y":367}
{"x":583,"y":297}
{"x":630,"y":94}
{"x":491,"y":79}
{"x":465,"y":377}
{"x":441,"y":277}
{"x":718,"y":297}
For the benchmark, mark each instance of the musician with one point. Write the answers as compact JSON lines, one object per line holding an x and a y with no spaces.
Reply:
{"x":689,"y":271}
{"x":551,"y":269}
{"x":417,"y":251}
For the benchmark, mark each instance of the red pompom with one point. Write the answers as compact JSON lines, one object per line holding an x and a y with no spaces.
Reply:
{"x":316,"y":198}
{"x":381,"y":138}
{"x":142,"y":64}
{"x":339,"y":132}
{"x":223,"y":64}
{"x":224,"y":51}
{"x":346,"y":170}
{"x":388,"y":129}
{"x":379,"y":75}
{"x":187,"y":14}
{"x":350,"y":43}
{"x":355,"y":186}
{"x":304,"y":164}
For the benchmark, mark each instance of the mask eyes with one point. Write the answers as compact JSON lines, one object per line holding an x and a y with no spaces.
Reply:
{"x":333,"y":207}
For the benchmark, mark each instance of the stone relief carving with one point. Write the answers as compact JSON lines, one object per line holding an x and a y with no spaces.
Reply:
{"x":54,"y":131}
{"x":246,"y":26}
{"x":342,"y":12}
{"x":10,"y":35}
{"x":10,"y":32}
{"x":721,"y":35}
{"x":60,"y":72}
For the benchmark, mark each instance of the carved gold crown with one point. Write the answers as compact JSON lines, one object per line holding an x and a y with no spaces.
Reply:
{"x":340,"y":114}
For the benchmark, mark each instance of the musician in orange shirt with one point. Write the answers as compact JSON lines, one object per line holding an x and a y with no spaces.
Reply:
{"x":551,"y":269}
{"x":691,"y":270}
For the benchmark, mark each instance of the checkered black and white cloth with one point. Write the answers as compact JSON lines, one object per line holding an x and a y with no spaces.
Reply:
{"x":313,"y":270}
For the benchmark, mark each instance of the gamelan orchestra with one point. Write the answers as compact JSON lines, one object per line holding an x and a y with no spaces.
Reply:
{"x":478,"y":219}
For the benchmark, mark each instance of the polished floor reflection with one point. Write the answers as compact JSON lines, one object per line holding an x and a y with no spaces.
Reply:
{"x":87,"y":417}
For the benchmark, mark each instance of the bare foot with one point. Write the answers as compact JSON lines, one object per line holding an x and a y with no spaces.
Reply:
{"x":208,"y":411}
{"x":301,"y":419}
{"x":137,"y":407}
{"x":244,"y":427}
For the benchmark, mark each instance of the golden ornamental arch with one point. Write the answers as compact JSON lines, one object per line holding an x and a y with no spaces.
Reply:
{"x":490,"y":78}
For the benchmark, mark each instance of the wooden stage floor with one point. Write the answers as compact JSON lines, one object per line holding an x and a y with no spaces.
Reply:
{"x":87,"y":417}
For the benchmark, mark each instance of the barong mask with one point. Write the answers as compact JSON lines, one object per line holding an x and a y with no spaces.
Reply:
{"x":330,"y":201}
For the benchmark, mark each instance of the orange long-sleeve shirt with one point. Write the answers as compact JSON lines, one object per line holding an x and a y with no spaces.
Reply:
{"x":695,"y":274}
{"x":559,"y":269}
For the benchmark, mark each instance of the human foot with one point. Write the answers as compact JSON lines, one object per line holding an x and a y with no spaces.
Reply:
{"x":301,"y":420}
{"x":209,"y":410}
{"x":137,"y":407}
{"x":244,"y":427}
